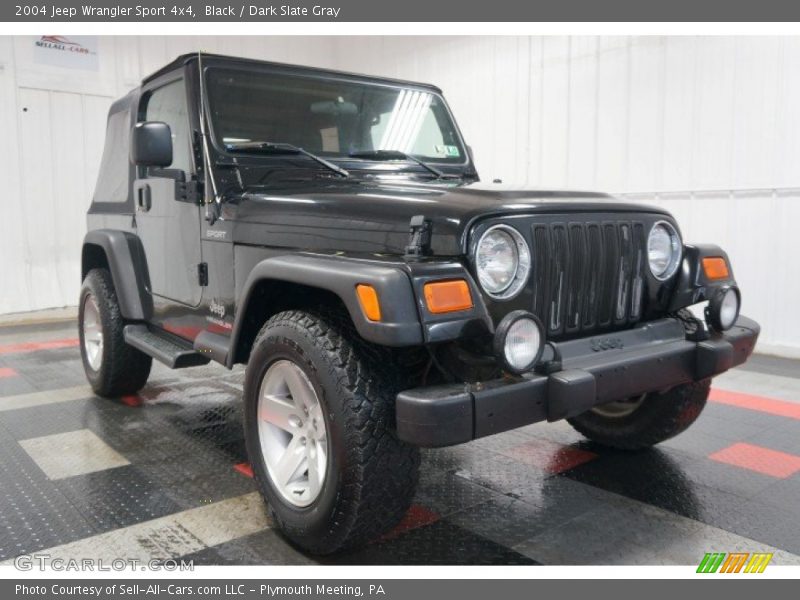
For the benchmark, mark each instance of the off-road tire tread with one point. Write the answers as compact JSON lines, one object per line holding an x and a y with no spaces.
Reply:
{"x":124,"y":369}
{"x":377,"y":488}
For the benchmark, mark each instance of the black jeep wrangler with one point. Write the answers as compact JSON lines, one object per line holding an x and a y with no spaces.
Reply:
{"x":329,"y":230}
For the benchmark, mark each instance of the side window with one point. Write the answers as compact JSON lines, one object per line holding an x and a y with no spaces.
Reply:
{"x":168,"y":104}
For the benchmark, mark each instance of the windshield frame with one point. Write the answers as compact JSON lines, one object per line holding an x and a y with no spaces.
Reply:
{"x":299,"y":72}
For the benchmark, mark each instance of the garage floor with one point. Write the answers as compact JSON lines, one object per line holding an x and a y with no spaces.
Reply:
{"x":164,"y":474}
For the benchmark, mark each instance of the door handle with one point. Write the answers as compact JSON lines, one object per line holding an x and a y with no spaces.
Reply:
{"x":144,"y":199}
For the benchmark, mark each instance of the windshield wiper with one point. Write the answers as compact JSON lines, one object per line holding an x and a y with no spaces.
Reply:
{"x":282,"y":148}
{"x":397,"y":155}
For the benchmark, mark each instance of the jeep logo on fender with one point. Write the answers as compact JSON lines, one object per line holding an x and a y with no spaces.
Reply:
{"x":600,"y":344}
{"x":217,"y":308}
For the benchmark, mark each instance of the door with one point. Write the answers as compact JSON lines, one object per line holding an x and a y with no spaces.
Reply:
{"x":60,"y":143}
{"x":169,"y":227}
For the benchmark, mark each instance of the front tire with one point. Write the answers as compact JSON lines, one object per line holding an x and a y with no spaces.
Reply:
{"x":636,"y":423}
{"x":319,"y":429}
{"x":112,"y":367}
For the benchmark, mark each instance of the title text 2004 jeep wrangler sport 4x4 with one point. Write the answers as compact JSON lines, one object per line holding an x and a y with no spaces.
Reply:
{"x":330,"y":231}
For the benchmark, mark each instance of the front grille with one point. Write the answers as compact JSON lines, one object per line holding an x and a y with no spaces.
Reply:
{"x":587,"y":275}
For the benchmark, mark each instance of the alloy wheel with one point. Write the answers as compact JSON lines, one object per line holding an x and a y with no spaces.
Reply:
{"x":92,"y":333}
{"x":293,"y":433}
{"x":620,"y":408}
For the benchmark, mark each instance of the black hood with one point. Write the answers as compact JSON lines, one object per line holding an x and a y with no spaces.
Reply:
{"x":370,"y":217}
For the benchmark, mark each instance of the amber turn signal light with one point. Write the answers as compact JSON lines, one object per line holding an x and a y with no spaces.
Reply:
{"x":715,"y":267}
{"x":368,"y":298}
{"x":447,"y":296}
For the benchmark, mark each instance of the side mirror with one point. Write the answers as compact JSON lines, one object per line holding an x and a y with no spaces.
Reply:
{"x":151,"y":144}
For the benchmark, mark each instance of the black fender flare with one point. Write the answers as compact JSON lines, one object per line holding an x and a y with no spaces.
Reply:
{"x":399,"y":325}
{"x":126,"y":261}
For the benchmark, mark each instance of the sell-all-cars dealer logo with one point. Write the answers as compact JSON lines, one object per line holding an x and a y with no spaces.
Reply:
{"x":61,"y":43}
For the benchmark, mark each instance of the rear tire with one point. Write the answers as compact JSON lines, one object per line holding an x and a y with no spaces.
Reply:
{"x":112,"y":367}
{"x":633,"y":424}
{"x":368,"y":477}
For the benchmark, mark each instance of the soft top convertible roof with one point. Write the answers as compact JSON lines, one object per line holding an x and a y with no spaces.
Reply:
{"x":113,"y":187}
{"x":221,"y":59}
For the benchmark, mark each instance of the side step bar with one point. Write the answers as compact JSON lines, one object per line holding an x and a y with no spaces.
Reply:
{"x":164,"y":349}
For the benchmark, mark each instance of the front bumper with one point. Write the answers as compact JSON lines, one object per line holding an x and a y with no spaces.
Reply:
{"x":651,"y":357}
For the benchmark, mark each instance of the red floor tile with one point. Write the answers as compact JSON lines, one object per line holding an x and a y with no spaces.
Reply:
{"x":550,"y":456}
{"x":417,"y":516}
{"x":7,"y":372}
{"x":132,"y":400}
{"x":759,"y":459}
{"x":34,"y":346}
{"x":782,"y":408}
{"x":245,"y":469}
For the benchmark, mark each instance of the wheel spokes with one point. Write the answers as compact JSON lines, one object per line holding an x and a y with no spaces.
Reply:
{"x":93,"y":335}
{"x":302,"y":395}
{"x":620,"y":408}
{"x":92,"y":329}
{"x":288,"y":466}
{"x":279,"y":412}
{"x":316,"y":465}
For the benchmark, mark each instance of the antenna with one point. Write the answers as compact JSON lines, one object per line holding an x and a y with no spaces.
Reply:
{"x":204,"y":135}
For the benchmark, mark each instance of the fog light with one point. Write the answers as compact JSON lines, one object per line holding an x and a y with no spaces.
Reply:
{"x":723,"y":309}
{"x":519,"y":341}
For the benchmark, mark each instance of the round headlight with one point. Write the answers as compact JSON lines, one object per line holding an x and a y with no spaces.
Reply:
{"x":663,"y":250}
{"x":723,"y":309}
{"x":502,"y":261}
{"x":519,"y":341}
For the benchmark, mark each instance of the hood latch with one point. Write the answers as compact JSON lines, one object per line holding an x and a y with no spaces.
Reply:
{"x":419,"y":237}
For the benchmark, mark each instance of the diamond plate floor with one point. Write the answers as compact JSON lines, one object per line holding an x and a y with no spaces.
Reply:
{"x":171,"y":477}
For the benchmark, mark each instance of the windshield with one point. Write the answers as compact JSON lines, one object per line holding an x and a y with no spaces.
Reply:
{"x":328,"y":117}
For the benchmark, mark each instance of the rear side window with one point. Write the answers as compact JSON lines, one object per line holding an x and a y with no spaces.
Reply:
{"x":168,"y":104}
{"x":112,"y":181}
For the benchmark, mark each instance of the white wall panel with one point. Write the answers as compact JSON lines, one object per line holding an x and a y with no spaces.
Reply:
{"x":534,"y":144}
{"x":60,"y":139}
{"x":755,"y":104}
{"x":612,"y":99}
{"x":677,"y":127}
{"x":582,"y":109}
{"x":645,"y":115}
{"x":714,"y":119}
{"x":554,"y":164}
{"x":787,"y":114}
{"x":38,"y":216}
{"x":15,"y":295}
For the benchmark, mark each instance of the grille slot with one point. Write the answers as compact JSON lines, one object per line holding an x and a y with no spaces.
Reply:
{"x":587,"y":275}
{"x":594,"y":276}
